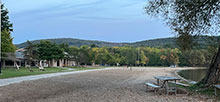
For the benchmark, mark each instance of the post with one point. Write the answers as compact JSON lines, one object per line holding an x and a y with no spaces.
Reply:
{"x":146,"y":88}
{"x":166,"y":83}
{"x":175,"y":88}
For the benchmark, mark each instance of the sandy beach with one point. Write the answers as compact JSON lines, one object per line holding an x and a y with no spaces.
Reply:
{"x":115,"y":85}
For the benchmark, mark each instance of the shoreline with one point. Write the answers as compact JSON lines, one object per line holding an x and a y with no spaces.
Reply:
{"x":187,"y":80}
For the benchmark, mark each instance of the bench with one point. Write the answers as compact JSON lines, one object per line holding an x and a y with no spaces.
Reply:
{"x":155,"y":87}
{"x":41,"y":68}
{"x":181,"y":84}
{"x":216,"y":87}
{"x":18,"y":67}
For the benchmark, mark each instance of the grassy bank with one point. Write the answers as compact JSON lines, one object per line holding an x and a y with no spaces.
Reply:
{"x":12,"y":72}
{"x":201,"y":89}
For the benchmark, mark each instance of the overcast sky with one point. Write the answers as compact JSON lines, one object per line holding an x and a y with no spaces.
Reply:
{"x":105,"y":20}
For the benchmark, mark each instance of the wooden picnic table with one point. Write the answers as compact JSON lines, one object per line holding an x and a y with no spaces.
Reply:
{"x":166,"y":80}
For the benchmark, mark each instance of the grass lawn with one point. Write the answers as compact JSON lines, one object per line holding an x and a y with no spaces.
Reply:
{"x":12,"y":72}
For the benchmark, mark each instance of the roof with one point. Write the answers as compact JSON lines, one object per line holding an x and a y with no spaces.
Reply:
{"x":19,"y":54}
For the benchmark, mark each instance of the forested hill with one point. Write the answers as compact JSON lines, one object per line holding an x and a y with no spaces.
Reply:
{"x":162,"y":42}
{"x":80,"y":42}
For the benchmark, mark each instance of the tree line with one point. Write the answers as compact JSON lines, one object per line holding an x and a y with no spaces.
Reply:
{"x":125,"y":55}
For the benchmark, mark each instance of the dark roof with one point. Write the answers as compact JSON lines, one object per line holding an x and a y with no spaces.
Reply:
{"x":19,"y":54}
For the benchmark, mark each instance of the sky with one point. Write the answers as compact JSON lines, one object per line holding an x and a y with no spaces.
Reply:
{"x":105,"y":20}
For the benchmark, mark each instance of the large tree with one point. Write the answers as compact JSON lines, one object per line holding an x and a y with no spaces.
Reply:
{"x":84,"y":55}
{"x":188,"y":18}
{"x":6,"y":29}
{"x":49,"y":51}
{"x":7,"y":47}
{"x":30,"y":54}
{"x":74,"y":54}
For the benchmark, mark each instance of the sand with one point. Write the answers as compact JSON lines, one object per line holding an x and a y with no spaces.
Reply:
{"x":114,"y":85}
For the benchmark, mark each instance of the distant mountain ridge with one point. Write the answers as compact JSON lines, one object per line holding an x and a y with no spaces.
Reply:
{"x":161,"y":42}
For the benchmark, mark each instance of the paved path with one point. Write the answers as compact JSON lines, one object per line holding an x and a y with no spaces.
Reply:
{"x":8,"y":81}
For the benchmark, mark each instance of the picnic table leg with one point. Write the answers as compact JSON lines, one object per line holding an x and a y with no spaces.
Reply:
{"x":215,"y":92}
{"x":158,"y":82}
{"x":175,"y":88}
{"x":146,"y":88}
{"x":167,"y":90}
{"x":164,"y":83}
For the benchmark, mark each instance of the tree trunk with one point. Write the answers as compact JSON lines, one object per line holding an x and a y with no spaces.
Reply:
{"x":3,"y":65}
{"x":213,"y":74}
{"x":25,"y":64}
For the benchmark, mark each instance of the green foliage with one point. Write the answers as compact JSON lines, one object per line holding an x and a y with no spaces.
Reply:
{"x":5,"y":23}
{"x":93,"y":46}
{"x":203,"y":41}
{"x":94,"y":54}
{"x":103,"y":56}
{"x":143,"y":60}
{"x":84,"y":54}
{"x":188,"y":18}
{"x":74,"y":54}
{"x":6,"y":28}
{"x":173,"y":57}
{"x":129,"y":55}
{"x":125,"y":55}
{"x":49,"y":51}
{"x":64,"y":47}
{"x":6,"y":42}
{"x":196,"y":58}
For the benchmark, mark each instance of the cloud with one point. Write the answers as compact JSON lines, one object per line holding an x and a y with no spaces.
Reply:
{"x":102,"y":9}
{"x":34,"y":19}
{"x":101,"y":18}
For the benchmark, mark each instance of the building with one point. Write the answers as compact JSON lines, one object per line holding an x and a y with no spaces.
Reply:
{"x":18,"y":59}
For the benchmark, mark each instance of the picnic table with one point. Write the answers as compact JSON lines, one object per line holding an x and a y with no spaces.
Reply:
{"x":216,"y":87}
{"x":166,"y":80}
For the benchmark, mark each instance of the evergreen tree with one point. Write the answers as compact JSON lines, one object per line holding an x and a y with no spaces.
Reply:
{"x":6,"y":42}
{"x":6,"y":28}
{"x":5,"y":23}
